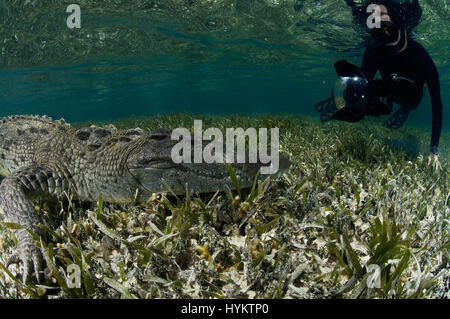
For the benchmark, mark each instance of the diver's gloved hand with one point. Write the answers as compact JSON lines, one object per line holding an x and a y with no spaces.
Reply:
{"x":433,"y":158}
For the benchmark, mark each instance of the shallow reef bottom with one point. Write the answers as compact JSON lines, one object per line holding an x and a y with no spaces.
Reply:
{"x":359,"y":214}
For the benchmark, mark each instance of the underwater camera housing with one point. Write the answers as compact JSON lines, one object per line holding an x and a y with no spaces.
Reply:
{"x":351,"y":88}
{"x":349,"y":95}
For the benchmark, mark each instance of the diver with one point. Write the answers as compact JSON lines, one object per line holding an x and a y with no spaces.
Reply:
{"x":405,"y":68}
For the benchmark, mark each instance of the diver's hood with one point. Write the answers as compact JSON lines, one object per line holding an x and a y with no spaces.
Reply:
{"x":351,"y":89}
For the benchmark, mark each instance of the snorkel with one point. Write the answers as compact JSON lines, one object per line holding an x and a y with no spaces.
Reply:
{"x":401,"y":44}
{"x":395,"y":39}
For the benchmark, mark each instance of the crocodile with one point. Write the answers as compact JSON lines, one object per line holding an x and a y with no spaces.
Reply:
{"x":41,"y":158}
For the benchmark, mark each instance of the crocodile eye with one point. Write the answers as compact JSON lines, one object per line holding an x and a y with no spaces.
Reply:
{"x":158,"y":136}
{"x":124,"y":139}
{"x":144,"y":161}
{"x":134,"y":132}
{"x":94,"y":146}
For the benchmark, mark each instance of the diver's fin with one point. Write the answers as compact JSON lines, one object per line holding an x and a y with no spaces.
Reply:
{"x":326,"y":108}
{"x":398,"y":118}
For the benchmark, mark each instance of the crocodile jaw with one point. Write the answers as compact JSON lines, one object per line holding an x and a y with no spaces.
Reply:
{"x":201,"y":178}
{"x":165,"y":176}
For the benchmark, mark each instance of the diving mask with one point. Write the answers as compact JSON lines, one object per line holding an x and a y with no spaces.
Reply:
{"x":387,"y":32}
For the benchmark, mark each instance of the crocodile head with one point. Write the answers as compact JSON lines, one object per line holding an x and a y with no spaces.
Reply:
{"x":151,"y":164}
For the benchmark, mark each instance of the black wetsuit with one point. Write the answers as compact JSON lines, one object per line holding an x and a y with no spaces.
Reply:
{"x":403,"y":77}
{"x":398,"y":70}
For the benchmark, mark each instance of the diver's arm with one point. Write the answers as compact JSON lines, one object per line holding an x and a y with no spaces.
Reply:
{"x":369,"y":62}
{"x":432,"y":79}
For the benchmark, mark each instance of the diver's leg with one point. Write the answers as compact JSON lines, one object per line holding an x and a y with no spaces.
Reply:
{"x":378,"y":107}
{"x":328,"y":111}
{"x":411,"y":102}
{"x":326,"y":108}
{"x":379,"y":101}
{"x":399,"y":117}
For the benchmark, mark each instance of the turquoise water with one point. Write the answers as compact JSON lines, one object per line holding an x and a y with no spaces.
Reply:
{"x":135,"y":88}
{"x":151,"y":57}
